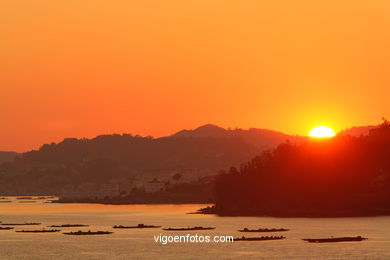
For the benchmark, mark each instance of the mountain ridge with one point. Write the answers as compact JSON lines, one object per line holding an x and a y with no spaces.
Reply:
{"x":261,"y":138}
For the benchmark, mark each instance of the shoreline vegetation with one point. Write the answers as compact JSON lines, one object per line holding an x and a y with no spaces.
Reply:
{"x":344,"y":176}
{"x":212,"y":210}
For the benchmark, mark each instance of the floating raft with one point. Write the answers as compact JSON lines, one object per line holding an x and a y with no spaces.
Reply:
{"x":335,"y":239}
{"x":20,"y":224}
{"x":189,"y":228}
{"x":82,"y":233}
{"x":39,"y":231}
{"x":69,"y":225}
{"x":6,"y":228}
{"x":138,"y":226}
{"x":265,"y":238}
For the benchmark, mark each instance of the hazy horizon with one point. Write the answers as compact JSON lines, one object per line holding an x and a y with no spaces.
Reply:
{"x":86,"y":68}
{"x":174,"y":132}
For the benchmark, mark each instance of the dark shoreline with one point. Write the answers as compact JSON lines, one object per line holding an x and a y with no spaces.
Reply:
{"x":297,"y":214}
{"x":212,"y":210}
{"x":195,"y":202}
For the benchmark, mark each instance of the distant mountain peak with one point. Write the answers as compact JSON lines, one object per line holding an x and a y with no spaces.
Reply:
{"x":208,"y":130}
{"x":262,"y":138}
{"x":209,"y":127}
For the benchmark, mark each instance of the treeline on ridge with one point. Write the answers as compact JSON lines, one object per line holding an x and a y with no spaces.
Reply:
{"x":340,"y":176}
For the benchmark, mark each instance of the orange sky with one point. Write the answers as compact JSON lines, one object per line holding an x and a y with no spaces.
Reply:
{"x":83,"y":68}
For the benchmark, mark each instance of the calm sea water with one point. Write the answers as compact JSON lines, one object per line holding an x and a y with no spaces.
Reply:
{"x":140,"y":243}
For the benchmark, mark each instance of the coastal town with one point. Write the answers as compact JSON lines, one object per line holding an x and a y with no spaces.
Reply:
{"x":158,"y":181}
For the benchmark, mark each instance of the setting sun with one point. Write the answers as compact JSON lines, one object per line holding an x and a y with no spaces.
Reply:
{"x":321,"y":131}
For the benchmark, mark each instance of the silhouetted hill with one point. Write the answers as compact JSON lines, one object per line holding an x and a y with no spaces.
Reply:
{"x":7,"y":156}
{"x":193,"y":154}
{"x":144,"y":152}
{"x":107,"y":158}
{"x":341,"y":176}
{"x":357,"y":130}
{"x":208,"y":130}
{"x":261,"y":138}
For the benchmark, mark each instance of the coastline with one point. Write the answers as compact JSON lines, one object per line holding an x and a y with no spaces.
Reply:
{"x":292,"y":214}
{"x":211,"y":209}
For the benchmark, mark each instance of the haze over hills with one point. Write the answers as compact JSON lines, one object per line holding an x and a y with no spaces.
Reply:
{"x":7,"y":156}
{"x":358,"y":130}
{"x":109,"y":165}
{"x":261,"y":138}
{"x":193,"y":154}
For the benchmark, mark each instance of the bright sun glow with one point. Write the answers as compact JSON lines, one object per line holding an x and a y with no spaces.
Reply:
{"x":321,"y":131}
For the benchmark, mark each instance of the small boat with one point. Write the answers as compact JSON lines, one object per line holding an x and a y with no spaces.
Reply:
{"x":189,"y":228}
{"x":138,"y":226}
{"x":20,"y":224}
{"x":259,"y":238}
{"x":69,"y":225}
{"x":335,"y":239}
{"x":27,"y":201}
{"x":89,"y":232}
{"x":264,"y":230}
{"x":6,"y":228}
{"x":39,"y":231}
